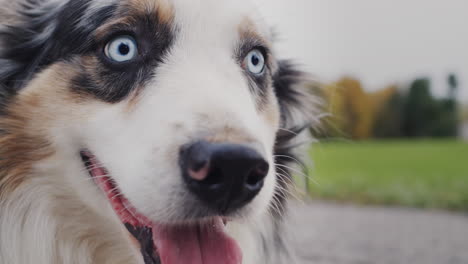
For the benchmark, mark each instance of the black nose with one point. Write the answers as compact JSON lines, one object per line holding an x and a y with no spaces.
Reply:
{"x":224,"y":176}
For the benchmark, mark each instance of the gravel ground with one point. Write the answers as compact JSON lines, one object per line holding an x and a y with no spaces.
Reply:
{"x":329,"y":233}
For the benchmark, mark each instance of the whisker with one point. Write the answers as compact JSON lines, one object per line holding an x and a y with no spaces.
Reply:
{"x":287,"y":191}
{"x":300,"y":173}
{"x":274,"y":205}
{"x":95,"y":177}
{"x":289,"y":157}
{"x":289,"y":131}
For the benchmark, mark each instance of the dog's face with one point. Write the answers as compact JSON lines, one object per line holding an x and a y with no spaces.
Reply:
{"x":164,"y":76}
{"x":170,"y":105}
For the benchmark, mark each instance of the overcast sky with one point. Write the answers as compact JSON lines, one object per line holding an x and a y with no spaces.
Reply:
{"x":380,"y":42}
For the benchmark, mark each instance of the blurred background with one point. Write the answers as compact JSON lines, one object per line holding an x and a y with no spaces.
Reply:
{"x":388,"y":176}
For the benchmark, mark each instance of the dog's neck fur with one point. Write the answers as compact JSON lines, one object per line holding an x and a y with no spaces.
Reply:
{"x":44,"y":221}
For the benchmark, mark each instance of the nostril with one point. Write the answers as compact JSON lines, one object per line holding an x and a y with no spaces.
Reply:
{"x":253,"y":179}
{"x":197,"y":165}
{"x":195,"y":160}
{"x":257,"y":175}
{"x":199,"y":171}
{"x":214,"y":178}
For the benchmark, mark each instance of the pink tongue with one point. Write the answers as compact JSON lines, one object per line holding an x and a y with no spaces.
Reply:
{"x":196,"y":244}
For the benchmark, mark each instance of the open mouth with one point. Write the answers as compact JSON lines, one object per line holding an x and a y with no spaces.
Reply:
{"x":205,"y":242}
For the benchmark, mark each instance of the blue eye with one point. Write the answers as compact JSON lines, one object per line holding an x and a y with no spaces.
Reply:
{"x":255,"y":62}
{"x":121,"y":49}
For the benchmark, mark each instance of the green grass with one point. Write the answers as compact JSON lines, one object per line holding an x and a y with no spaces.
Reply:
{"x":428,"y":174}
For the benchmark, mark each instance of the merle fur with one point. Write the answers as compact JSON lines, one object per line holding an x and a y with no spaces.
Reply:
{"x":289,"y":89}
{"x":47,"y":34}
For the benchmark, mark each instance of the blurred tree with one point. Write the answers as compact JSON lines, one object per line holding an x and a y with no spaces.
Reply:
{"x":334,"y":123}
{"x":447,"y":123}
{"x":351,"y":109}
{"x":381,"y":97}
{"x":425,"y":116}
{"x":451,"y":103}
{"x":420,"y":110}
{"x":357,"y":108}
{"x":389,"y":117}
{"x":453,"y":85}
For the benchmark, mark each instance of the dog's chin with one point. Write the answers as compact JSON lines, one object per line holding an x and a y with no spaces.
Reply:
{"x":198,"y":242}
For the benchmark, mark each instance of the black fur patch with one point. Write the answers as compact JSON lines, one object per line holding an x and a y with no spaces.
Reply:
{"x":111,"y":81}
{"x":144,"y":235}
{"x":291,"y":95}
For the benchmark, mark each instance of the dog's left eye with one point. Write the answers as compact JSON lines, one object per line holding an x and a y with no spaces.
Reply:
{"x":255,"y":62}
{"x":121,"y":49}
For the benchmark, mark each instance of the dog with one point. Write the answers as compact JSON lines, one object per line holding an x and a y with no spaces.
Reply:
{"x":145,"y":131}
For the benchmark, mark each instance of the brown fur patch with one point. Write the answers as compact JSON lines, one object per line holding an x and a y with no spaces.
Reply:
{"x":162,"y":8}
{"x":166,"y":11}
{"x":19,"y":147}
{"x":133,"y":9}
{"x":247,"y":25}
{"x":271,"y":111}
{"x":232,"y":135}
{"x":103,"y":30}
{"x":23,"y":138}
{"x":133,"y":99}
{"x":248,"y":30}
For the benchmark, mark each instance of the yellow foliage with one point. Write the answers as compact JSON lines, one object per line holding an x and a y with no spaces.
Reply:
{"x":353,"y":110}
{"x":381,"y":97}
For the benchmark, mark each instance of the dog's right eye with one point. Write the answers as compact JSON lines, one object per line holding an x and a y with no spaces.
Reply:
{"x":121,"y":49}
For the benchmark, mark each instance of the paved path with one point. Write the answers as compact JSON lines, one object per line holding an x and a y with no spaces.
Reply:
{"x":345,"y":234}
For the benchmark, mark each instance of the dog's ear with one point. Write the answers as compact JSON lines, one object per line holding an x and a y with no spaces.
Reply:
{"x":299,"y":107}
{"x":299,"y":114}
{"x":25,"y":41}
{"x":40,"y":32}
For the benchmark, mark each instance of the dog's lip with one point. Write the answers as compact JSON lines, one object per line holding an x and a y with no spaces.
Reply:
{"x":157,"y":241}
{"x":136,"y":224}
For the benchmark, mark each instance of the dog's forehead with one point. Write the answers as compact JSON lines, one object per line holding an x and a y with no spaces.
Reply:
{"x":216,"y":15}
{"x":207,"y":18}
{"x":217,"y":24}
